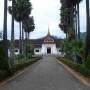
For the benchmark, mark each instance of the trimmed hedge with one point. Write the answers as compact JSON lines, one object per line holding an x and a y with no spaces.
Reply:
{"x":77,"y":67}
{"x":3,"y":59}
{"x":4,"y":74}
{"x":23,"y":65}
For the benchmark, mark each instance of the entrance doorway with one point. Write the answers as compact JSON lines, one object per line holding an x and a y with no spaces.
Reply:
{"x":48,"y":50}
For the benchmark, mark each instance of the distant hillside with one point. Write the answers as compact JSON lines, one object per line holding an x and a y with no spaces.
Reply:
{"x":83,"y":35}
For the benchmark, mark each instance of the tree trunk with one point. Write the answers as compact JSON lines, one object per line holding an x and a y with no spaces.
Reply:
{"x":87,"y":49}
{"x":26,"y":39}
{"x":28,"y":35}
{"x":72,"y":29}
{"x":5,"y":45}
{"x":66,"y":35}
{"x":12,"y":53}
{"x":20,"y":42}
{"x":78,"y":20}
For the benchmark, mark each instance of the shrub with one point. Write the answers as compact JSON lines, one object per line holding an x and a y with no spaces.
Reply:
{"x":87,"y":63}
{"x":20,"y":56}
{"x":73,"y":49}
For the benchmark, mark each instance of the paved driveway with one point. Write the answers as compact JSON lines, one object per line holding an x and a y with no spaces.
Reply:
{"x":47,"y":74}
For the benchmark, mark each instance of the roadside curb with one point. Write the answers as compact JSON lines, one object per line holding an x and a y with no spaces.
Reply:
{"x":15,"y":75}
{"x":75,"y":74}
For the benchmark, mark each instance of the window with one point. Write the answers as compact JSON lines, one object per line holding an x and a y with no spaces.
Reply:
{"x":59,"y":50}
{"x":16,"y":50}
{"x":37,"y":50}
{"x":29,"y":51}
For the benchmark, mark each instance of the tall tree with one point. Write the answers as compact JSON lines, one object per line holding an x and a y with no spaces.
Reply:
{"x":78,"y":19}
{"x":29,"y":26}
{"x":12,"y":53}
{"x":68,"y":15}
{"x":87,"y":50}
{"x":5,"y":45}
{"x":22,"y":11}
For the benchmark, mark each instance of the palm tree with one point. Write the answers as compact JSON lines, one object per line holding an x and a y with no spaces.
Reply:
{"x":5,"y":45}
{"x":22,"y":10}
{"x":78,"y":19}
{"x":12,"y":53}
{"x":87,"y":49}
{"x":29,"y":26}
{"x":69,"y":17}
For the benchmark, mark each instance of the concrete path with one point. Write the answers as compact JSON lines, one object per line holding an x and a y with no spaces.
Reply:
{"x":47,"y":74}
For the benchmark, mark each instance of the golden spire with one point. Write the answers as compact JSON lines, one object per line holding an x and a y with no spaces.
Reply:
{"x":48,"y":30}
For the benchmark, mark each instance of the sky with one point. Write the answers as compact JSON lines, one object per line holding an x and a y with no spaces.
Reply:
{"x":45,"y":12}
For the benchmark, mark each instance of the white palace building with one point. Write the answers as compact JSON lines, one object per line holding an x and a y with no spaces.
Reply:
{"x":47,"y":45}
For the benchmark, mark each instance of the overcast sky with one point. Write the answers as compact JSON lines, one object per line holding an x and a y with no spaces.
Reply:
{"x":45,"y":12}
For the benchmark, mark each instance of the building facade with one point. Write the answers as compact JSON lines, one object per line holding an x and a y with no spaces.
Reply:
{"x":47,"y":45}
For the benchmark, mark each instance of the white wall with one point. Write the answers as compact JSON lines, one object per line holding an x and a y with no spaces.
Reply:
{"x":43,"y":49}
{"x":52,"y":46}
{"x":16,"y":53}
{"x":58,"y":50}
{"x":37,"y":53}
